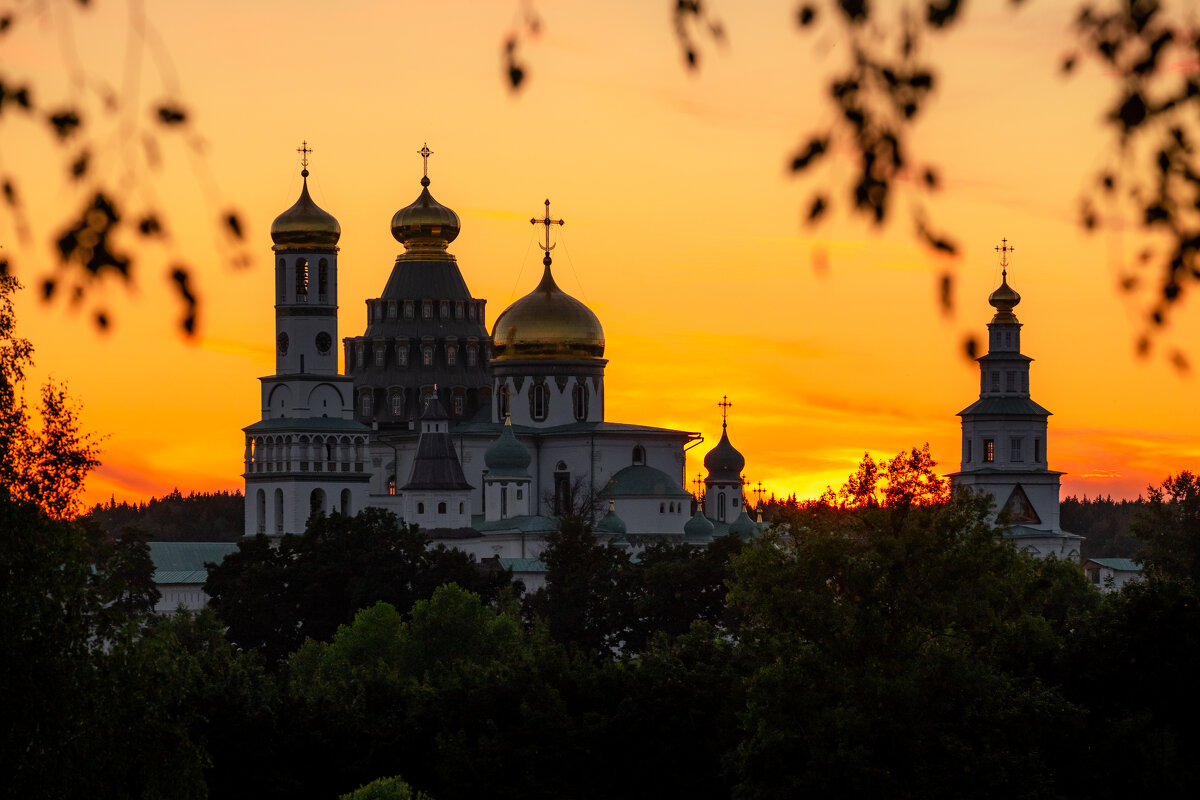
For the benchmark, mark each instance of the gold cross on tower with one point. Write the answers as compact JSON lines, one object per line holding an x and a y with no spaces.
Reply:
{"x":547,"y":222}
{"x":1004,"y":248}
{"x":304,"y":150}
{"x":724,"y":404}
{"x":425,"y":153}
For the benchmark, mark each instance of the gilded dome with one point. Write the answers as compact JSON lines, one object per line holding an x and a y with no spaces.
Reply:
{"x":547,"y":323}
{"x":1004,"y":300}
{"x":426,"y":225}
{"x":305,"y":225}
{"x":724,"y":462}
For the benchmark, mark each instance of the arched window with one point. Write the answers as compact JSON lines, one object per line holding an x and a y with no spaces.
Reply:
{"x":408,"y":310}
{"x":301,"y":280}
{"x":720,"y":507}
{"x":316,"y":502}
{"x":458,"y":405}
{"x":662,"y":507}
{"x":380,"y":353}
{"x":504,"y":399}
{"x":441,"y":508}
{"x":472,"y":355}
{"x":279,"y":510}
{"x":639,"y":454}
{"x":537,"y":401}
{"x":427,"y":310}
{"x":420,"y":508}
{"x":579,"y":396}
{"x":451,"y":355}
{"x":397,"y":403}
{"x":322,"y":280}
{"x":280,"y":281}
{"x":391,"y":487}
{"x":460,"y":508}
{"x":260,"y":512}
{"x":445,"y":309}
{"x":367,"y":408}
{"x":427,"y":356}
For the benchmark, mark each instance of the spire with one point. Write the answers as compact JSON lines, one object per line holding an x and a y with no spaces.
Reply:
{"x":1005,"y":298}
{"x":426,"y":227}
{"x":305,"y":226}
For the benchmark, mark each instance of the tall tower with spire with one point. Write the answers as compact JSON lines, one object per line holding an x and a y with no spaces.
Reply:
{"x":307,"y":454}
{"x":723,"y":486}
{"x":1004,"y":436}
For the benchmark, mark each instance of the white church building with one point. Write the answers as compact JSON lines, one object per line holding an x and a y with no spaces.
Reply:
{"x":1004,"y":438}
{"x":483,"y":438}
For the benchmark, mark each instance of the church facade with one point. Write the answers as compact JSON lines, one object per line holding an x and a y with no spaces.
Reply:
{"x":483,"y":438}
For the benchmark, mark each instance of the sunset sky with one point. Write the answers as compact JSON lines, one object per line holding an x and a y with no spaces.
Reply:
{"x":684,"y":225}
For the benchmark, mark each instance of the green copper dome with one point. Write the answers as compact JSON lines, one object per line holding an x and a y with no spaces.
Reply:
{"x":743,"y":527}
{"x":699,"y":527}
{"x":611,"y":522}
{"x":506,"y":456}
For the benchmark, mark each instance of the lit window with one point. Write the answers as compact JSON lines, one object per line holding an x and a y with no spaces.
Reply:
{"x":1015,"y":455}
{"x":301,"y":280}
{"x":989,"y":450}
{"x":391,"y":488}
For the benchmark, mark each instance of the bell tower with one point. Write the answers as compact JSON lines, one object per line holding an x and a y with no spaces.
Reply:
{"x":1004,"y":436}
{"x":306,"y":455}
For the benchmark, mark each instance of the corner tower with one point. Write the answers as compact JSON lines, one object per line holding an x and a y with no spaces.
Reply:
{"x":1004,"y":436}
{"x":307,"y":454}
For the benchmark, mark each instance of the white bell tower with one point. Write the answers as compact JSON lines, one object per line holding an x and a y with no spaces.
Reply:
{"x":306,"y":455}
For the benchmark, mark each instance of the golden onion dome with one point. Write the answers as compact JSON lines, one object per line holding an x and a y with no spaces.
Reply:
{"x":426,"y":225}
{"x":305,"y":225}
{"x":1004,"y":300}
{"x":547,"y":323}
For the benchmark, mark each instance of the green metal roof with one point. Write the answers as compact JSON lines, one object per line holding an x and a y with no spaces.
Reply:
{"x":306,"y":424}
{"x":1119,"y":564}
{"x":1005,"y":406}
{"x":522,"y":524}
{"x":506,"y":457}
{"x":183,"y":562}
{"x":523,"y":564}
{"x":639,"y":480}
{"x":1026,"y":532}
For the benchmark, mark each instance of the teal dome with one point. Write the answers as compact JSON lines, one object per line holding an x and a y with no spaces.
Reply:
{"x":506,"y":456}
{"x":743,"y":527}
{"x":611,"y":522}
{"x":640,"y":480}
{"x":724,"y":462}
{"x":699,"y":528}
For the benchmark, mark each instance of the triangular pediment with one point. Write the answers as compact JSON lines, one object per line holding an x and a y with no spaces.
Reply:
{"x":1019,"y":509}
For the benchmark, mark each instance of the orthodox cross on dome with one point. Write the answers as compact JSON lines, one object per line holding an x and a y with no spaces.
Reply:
{"x":759,"y":491}
{"x":1004,"y":248}
{"x":304,"y":150}
{"x":425,"y":153}
{"x":547,"y":222}
{"x":724,"y":404}
{"x":698,"y":481}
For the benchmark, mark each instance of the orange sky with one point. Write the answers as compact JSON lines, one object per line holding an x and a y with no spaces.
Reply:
{"x":683,"y":225}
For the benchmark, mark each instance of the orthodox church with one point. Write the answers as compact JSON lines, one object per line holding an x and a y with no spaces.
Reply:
{"x":1004,"y":441}
{"x":480,"y":438}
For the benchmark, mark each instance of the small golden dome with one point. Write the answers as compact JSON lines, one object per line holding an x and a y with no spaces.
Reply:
{"x":305,"y":225}
{"x":547,"y":323}
{"x":1004,"y":300}
{"x":426,"y":225}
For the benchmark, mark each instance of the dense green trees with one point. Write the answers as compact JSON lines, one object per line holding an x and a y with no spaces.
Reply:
{"x":198,"y":517}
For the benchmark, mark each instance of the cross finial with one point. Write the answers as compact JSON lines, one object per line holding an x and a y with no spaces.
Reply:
{"x":698,"y":481}
{"x":759,"y":491}
{"x":547,"y":222}
{"x":724,"y":404}
{"x":304,"y":150}
{"x":1004,"y":248}
{"x":425,"y":153}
